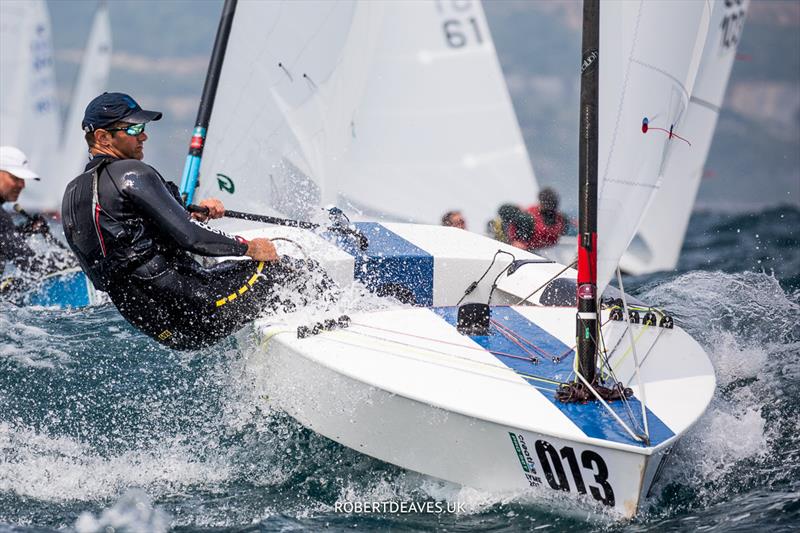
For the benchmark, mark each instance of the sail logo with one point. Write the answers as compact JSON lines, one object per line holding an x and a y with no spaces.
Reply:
{"x":589,"y":59}
{"x":225,"y":183}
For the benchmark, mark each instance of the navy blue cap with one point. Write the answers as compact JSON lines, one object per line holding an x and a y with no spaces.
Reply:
{"x":109,"y":108}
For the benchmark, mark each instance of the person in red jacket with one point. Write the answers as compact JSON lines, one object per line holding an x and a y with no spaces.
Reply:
{"x":548,"y":223}
{"x":539,"y":226}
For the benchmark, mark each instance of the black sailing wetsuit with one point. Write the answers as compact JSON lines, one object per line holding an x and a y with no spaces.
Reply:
{"x":133,"y":237}
{"x":31,"y":266}
{"x":12,"y":244}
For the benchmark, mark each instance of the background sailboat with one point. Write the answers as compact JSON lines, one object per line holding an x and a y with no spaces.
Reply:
{"x":658,"y":241}
{"x":29,"y":108}
{"x":30,"y":114}
{"x":91,"y":81}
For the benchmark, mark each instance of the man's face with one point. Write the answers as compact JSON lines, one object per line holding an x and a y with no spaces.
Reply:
{"x":125,"y":146}
{"x":10,"y":186}
{"x":457,"y":221}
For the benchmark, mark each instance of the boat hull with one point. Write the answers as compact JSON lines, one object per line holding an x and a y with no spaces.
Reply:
{"x":406,"y":385}
{"x":451,"y":446}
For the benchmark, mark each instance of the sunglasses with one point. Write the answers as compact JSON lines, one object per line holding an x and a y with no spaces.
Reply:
{"x":132,"y":130}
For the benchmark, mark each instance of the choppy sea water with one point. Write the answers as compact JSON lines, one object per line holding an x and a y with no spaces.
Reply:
{"x":103,"y":430}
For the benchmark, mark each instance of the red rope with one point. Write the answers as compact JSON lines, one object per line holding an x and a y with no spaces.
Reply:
{"x":670,"y":133}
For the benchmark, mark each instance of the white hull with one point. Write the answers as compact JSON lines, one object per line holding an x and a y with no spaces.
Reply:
{"x":404,"y":386}
{"x":445,"y":444}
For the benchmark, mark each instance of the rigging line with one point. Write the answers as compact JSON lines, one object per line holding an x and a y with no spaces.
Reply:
{"x":516,"y":341}
{"x":290,"y":241}
{"x":576,"y":369}
{"x":428,"y":351}
{"x":603,"y":353}
{"x":511,"y":335}
{"x":474,"y":285}
{"x":631,"y":416}
{"x":542,"y":286}
{"x":575,"y":346}
{"x":265,"y":338}
{"x":635,"y":355}
{"x":610,"y":371}
{"x":497,"y":277}
{"x":649,"y":350}
{"x":611,"y":368}
{"x":431,"y":339}
{"x":475,"y":348}
{"x":610,"y":410}
{"x":627,"y":352}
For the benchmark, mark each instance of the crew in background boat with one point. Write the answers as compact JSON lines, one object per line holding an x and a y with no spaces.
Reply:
{"x":15,"y":247}
{"x":454,"y":219}
{"x":133,"y":237}
{"x":512,"y":225}
{"x":539,"y":226}
{"x":549,"y":224}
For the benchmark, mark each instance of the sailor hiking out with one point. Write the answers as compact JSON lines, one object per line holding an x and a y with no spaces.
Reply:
{"x":133,"y":237}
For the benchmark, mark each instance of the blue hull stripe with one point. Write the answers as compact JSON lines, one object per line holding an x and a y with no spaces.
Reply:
{"x":591,"y":417}
{"x":390,"y":260}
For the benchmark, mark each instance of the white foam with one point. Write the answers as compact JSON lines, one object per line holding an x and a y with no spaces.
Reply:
{"x":61,"y":468}
{"x":27,"y":344}
{"x":133,"y":513}
{"x":748,"y":326}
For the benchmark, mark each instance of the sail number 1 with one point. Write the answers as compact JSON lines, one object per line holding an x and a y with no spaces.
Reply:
{"x":459,"y":26}
{"x":555,"y":463}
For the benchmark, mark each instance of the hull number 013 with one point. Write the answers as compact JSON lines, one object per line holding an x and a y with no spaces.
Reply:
{"x":588,"y":472}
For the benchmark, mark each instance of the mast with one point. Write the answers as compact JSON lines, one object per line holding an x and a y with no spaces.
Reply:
{"x":587,"y":330}
{"x":191,"y":168}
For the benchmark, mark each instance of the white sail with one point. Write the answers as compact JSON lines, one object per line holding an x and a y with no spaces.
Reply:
{"x":649,"y":58}
{"x":292,"y":78}
{"x":91,"y":81}
{"x":437,"y":129}
{"x":658,"y":243}
{"x":29,"y":111}
{"x":321,"y":111}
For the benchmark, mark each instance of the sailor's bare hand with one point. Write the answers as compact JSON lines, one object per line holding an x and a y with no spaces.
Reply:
{"x":214,"y":208}
{"x":262,"y":250}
